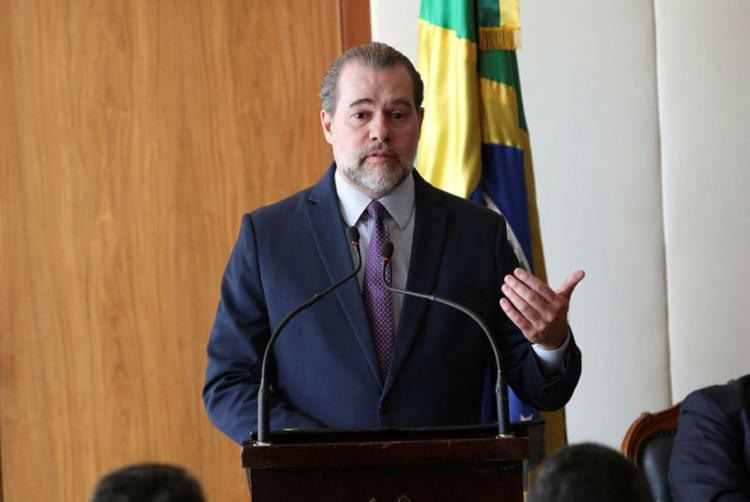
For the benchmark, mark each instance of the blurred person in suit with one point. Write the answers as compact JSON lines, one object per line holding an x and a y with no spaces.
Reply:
{"x":711,"y":451}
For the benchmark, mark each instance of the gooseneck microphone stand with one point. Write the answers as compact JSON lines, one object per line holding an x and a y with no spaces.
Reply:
{"x":501,"y":389}
{"x":352,"y":235}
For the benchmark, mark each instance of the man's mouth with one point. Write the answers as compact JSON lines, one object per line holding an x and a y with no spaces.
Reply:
{"x":380,"y":156}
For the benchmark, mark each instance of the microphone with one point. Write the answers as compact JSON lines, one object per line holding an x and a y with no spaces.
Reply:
{"x":352,"y":235}
{"x":501,"y":388}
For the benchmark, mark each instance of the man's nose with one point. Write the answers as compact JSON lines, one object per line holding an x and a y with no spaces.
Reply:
{"x":379,"y":130}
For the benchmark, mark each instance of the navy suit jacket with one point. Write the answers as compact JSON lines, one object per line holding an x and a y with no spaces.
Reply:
{"x":711,"y":451}
{"x":324,"y":371}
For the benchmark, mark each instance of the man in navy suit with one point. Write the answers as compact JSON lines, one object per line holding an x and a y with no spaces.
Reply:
{"x":711,"y":451}
{"x":325,"y":370}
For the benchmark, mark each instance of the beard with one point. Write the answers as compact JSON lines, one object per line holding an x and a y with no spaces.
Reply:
{"x":377,"y":179}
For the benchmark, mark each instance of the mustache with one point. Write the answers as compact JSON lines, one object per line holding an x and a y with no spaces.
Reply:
{"x":377,"y":147}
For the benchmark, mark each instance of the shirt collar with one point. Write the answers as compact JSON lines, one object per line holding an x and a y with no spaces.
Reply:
{"x":352,"y":202}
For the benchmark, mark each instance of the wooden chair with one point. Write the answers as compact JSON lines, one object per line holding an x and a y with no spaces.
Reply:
{"x":648,"y":444}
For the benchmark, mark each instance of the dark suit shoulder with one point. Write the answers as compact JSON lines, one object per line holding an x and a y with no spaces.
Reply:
{"x":290,"y":204}
{"x":452,"y":203}
{"x":730,"y":397}
{"x":710,"y":457}
{"x":288,"y":207}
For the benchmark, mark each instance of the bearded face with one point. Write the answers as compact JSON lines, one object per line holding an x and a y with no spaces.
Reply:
{"x":375,"y":128}
{"x":377,"y":170}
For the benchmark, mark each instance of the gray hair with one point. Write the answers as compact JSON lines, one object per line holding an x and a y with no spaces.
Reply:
{"x":372,"y":55}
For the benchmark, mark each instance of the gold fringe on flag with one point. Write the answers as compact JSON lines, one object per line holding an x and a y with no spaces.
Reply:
{"x":499,"y":38}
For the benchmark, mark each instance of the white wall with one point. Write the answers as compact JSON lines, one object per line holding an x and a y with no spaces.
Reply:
{"x":639,"y":114}
{"x":589,"y":82}
{"x":395,"y":22}
{"x":704,"y":90}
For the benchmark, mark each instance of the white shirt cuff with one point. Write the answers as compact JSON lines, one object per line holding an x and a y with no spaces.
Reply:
{"x":550,"y":361}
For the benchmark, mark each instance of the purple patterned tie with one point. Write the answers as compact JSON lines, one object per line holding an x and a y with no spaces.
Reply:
{"x":378,"y":300}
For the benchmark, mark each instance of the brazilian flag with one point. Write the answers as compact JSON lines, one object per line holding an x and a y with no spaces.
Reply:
{"x":474,"y":141}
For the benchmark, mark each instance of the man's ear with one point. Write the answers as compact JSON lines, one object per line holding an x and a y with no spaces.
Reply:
{"x":420,"y":116}
{"x":326,"y":120}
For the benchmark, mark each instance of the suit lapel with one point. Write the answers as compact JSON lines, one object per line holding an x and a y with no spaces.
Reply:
{"x":424,"y":263}
{"x":330,"y":241}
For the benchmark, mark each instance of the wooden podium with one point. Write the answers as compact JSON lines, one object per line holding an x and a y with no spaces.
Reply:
{"x":463,"y":463}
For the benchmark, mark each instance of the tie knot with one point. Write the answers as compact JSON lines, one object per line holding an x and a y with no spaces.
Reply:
{"x":377,"y":211}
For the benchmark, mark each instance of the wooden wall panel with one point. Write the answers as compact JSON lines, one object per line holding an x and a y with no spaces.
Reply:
{"x":133,"y":135}
{"x":355,"y":23}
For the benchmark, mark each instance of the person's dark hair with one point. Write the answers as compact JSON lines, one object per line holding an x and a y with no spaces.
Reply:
{"x":588,"y":472}
{"x":373,"y":55}
{"x":148,"y":482}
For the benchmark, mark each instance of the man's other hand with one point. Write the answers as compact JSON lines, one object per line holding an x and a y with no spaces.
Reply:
{"x":539,"y":312}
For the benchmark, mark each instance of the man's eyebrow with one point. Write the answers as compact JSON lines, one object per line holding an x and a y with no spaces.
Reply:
{"x":361,"y":101}
{"x":368,"y":101}
{"x":400,"y":101}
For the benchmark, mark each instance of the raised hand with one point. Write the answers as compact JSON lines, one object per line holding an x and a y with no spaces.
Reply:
{"x":539,"y":312}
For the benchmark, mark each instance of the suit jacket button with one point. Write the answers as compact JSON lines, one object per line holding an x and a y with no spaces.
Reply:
{"x":384,"y":408}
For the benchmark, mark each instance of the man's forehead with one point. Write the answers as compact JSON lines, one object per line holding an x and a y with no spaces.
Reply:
{"x":362,"y":83}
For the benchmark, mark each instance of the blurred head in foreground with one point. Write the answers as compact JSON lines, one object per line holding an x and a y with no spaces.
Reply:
{"x":588,"y":472}
{"x":148,"y":483}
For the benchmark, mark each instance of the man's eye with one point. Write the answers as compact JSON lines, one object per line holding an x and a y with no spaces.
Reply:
{"x":359,"y":115}
{"x":398,"y":115}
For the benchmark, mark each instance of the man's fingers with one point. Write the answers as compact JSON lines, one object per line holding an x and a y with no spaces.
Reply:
{"x":533,"y":291}
{"x":534,"y":284}
{"x":538,"y":311}
{"x":515,"y":316}
{"x":570,"y":283}
{"x":521,"y":304}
